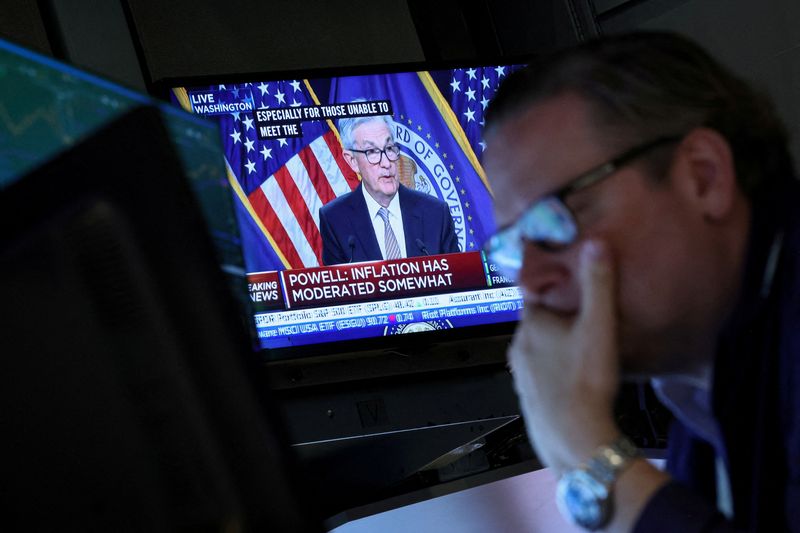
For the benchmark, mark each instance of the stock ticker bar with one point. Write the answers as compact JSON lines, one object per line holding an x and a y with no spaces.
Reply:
{"x":388,"y":317}
{"x":380,"y":297}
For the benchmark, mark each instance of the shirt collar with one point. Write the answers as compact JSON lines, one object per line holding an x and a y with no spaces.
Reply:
{"x":373,"y":207}
{"x":688,"y":397}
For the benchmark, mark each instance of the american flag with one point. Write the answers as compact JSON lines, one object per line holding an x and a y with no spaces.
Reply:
{"x":285,"y":181}
{"x":471,"y":90}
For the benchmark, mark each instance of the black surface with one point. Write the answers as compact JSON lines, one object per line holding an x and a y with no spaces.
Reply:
{"x":129,"y":400}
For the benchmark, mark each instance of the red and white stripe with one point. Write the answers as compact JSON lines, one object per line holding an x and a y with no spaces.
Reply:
{"x":288,"y":202}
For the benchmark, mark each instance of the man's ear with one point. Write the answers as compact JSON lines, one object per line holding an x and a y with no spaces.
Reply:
{"x":705,"y":172}
{"x":351,"y":160}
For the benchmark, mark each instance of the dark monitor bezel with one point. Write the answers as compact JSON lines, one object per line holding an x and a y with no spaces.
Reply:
{"x":442,"y":340}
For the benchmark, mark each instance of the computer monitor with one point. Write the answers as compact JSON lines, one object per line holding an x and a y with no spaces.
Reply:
{"x":48,"y":107}
{"x":390,"y":371}
{"x":134,"y":398}
{"x":319,"y":276}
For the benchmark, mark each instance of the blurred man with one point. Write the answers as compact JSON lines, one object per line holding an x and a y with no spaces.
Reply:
{"x":650,"y":215}
{"x":381,"y":219}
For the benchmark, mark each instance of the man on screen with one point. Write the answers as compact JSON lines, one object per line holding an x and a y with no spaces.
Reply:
{"x":381,"y":219}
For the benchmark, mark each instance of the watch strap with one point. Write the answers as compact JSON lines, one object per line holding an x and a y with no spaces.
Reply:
{"x":608,"y":461}
{"x":585,"y":495}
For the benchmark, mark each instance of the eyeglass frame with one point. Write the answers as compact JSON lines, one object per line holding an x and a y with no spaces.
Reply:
{"x":582,"y":181}
{"x":383,"y":152}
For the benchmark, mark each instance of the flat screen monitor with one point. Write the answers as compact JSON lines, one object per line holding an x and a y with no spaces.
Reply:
{"x":321,"y":274}
{"x":138,"y":403}
{"x":48,"y":107}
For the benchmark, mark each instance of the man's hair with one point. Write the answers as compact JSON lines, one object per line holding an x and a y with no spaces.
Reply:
{"x":641,"y":86}
{"x":348,"y":125}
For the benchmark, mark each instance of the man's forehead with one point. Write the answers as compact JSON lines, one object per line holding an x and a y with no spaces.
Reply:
{"x":555,"y":125}
{"x":539,"y":149}
{"x":373,"y":131}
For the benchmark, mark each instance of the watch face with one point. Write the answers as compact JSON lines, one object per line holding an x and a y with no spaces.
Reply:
{"x":582,"y":499}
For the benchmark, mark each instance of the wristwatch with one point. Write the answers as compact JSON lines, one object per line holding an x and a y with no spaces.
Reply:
{"x":585,"y":494}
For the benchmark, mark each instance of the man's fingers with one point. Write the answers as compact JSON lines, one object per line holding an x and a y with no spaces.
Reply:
{"x":597,"y":282}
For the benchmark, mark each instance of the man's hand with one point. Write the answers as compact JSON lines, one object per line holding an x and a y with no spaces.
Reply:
{"x":566,"y":370}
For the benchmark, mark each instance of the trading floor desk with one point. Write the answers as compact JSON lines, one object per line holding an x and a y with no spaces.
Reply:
{"x":522,"y":502}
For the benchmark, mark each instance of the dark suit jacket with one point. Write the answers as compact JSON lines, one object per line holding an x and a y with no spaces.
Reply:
{"x":755,"y":398}
{"x":425,"y":218}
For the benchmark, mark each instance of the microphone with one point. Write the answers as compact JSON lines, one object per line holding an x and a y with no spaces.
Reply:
{"x":351,"y":243}
{"x":421,"y":246}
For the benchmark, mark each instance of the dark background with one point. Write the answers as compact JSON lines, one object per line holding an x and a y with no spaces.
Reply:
{"x":137,"y":42}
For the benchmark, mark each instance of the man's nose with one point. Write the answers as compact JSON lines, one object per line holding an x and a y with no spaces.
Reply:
{"x":384,"y":162}
{"x":542,"y":270}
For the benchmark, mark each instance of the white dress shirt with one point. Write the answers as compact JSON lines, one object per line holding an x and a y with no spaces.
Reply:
{"x":395,"y":219}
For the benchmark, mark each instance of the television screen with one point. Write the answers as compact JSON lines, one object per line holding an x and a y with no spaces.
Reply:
{"x":313,"y":161}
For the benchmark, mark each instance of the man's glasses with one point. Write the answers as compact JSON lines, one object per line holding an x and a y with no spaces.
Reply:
{"x":374,"y":155}
{"x":548,"y":222}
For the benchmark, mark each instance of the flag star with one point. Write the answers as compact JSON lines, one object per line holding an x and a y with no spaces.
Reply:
{"x":470,"y":114}
{"x":266,"y":152}
{"x":463,"y":190}
{"x":456,"y":85}
{"x":483,"y":145}
{"x":248,"y":122}
{"x":470,"y":94}
{"x":485,"y":82}
{"x":263,"y":87}
{"x":501,"y":71}
{"x":294,"y":103}
{"x":221,"y":87}
{"x":471,"y":231}
{"x":428,"y":136}
{"x":484,"y":102}
{"x":472,"y":245}
{"x":283,"y":141}
{"x":466,"y":204}
{"x":436,"y":145}
{"x":279,"y":96}
{"x":469,"y":218}
{"x":235,"y":92}
{"x":295,"y":85}
{"x":237,"y":137}
{"x":235,"y":115}
{"x":419,"y":127}
{"x":471,"y":73}
{"x":249,"y":144}
{"x":444,"y":155}
{"x":251,"y":167}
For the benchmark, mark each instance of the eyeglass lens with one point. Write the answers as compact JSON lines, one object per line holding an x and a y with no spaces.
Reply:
{"x":547,"y":223}
{"x":374,"y":155}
